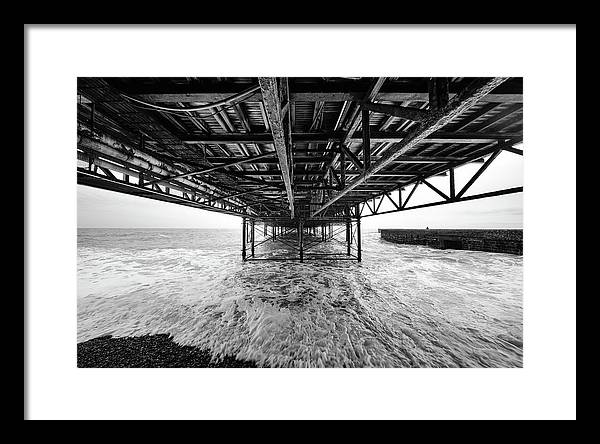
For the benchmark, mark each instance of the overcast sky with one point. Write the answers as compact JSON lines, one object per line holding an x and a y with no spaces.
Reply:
{"x":107,"y":209}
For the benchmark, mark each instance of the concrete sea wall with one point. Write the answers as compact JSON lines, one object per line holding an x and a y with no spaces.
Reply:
{"x":495,"y":241}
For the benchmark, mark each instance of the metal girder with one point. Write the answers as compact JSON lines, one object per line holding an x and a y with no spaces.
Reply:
{"x":188,"y":146}
{"x":435,"y":121}
{"x":453,"y":197}
{"x":338,"y":136}
{"x":324,"y":93}
{"x":214,"y":168}
{"x":272,"y":103}
{"x":89,"y":178}
{"x":356,"y":119}
{"x":414,"y":114}
{"x":369,"y":96}
{"x":147,"y":167}
{"x":462,"y":199}
{"x":479,"y":172}
{"x":272,"y":159}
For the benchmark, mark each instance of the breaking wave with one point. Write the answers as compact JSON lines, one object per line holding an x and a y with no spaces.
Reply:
{"x":403,"y":306}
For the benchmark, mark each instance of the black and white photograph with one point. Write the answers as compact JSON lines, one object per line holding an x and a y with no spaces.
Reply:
{"x":291,"y":178}
{"x":258,"y":225}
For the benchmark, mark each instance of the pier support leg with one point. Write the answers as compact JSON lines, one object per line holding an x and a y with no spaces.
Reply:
{"x":358,"y":237}
{"x":301,"y":239}
{"x":244,"y":238}
{"x":252,"y":239}
{"x":348,"y":237}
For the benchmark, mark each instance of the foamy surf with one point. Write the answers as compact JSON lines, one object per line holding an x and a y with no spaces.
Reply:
{"x":404,"y":306}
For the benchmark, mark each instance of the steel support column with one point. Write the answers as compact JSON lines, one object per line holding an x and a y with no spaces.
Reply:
{"x":244,"y":238}
{"x":358,"y":237}
{"x":301,"y":239}
{"x":348,"y":237}
{"x":252,"y":239}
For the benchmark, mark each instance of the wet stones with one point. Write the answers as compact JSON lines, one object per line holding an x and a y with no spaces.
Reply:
{"x":157,"y":351}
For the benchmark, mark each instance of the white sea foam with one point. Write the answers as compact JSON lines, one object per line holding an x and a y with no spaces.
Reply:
{"x":402,"y":306}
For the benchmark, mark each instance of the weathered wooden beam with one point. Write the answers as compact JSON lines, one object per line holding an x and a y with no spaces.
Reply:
{"x":414,"y":114}
{"x":434,"y":122}
{"x":272,"y":103}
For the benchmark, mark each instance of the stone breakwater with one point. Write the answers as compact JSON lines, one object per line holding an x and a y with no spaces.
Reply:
{"x":495,"y":241}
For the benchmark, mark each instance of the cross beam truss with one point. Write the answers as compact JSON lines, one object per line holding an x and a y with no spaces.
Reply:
{"x":371,"y":207}
{"x":435,"y":120}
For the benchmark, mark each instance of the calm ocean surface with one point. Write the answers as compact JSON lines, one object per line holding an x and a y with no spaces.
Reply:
{"x":403,"y":306}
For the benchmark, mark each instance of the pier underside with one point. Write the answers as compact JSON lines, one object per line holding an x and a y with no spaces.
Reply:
{"x":326,"y":240}
{"x":300,"y":160}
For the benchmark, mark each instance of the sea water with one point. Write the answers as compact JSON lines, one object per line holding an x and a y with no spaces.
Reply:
{"x":402,"y":306}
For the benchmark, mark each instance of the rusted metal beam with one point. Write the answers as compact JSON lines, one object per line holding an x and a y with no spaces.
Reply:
{"x":333,"y":93}
{"x":479,"y":172}
{"x":434,"y":122}
{"x":214,"y":168}
{"x":272,"y":102}
{"x":404,"y":112}
{"x":442,"y":194}
{"x":355,"y":120}
{"x":410,"y":194}
{"x":438,"y":93}
{"x":475,"y":157}
{"x":355,"y":160}
{"x":513,"y":150}
{"x":338,"y":136}
{"x":333,"y":96}
{"x":462,"y":199}
{"x":366,"y":134}
{"x":85,"y":177}
{"x":302,"y":160}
